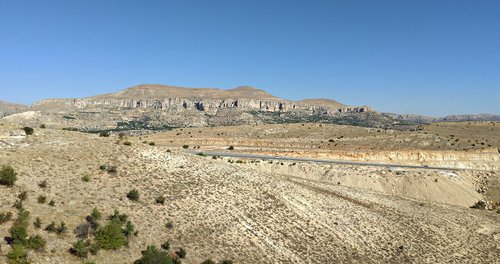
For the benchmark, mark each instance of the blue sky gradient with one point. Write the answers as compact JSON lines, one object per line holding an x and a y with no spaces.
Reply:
{"x":417,"y":56}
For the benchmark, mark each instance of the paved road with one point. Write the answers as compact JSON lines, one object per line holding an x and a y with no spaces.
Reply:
{"x":356,"y":163}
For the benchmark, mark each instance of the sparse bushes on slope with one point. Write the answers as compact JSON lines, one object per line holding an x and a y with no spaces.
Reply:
{"x":8,"y":176}
{"x":20,"y":241}
{"x":154,"y":256}
{"x":113,"y":235}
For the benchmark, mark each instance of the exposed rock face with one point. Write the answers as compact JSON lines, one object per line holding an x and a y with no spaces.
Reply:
{"x":176,"y":99}
{"x":180,"y":104}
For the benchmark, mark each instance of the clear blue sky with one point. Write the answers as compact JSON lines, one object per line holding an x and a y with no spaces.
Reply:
{"x":433,"y":57}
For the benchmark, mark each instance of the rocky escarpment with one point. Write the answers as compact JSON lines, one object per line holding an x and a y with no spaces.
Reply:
{"x":209,"y":105}
{"x":176,"y":99}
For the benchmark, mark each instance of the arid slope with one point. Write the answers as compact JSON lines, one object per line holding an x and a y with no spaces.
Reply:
{"x":229,"y":210}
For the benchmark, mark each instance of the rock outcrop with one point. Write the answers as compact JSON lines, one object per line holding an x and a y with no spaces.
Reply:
{"x":176,"y":99}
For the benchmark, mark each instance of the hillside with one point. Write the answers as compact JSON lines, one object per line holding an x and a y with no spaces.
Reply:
{"x":7,"y":108}
{"x":249,"y":211}
{"x":156,"y":107}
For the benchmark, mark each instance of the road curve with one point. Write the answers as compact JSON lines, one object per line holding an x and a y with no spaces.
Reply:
{"x":342,"y":162}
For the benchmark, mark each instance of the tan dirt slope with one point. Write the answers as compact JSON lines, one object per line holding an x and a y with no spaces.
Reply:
{"x":227,"y":210}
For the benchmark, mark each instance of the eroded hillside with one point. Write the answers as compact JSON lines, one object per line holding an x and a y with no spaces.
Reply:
{"x":249,"y":211}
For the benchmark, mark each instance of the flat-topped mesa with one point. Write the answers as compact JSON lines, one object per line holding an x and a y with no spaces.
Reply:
{"x":176,"y":99}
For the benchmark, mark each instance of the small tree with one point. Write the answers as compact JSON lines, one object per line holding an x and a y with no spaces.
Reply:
{"x":153,"y":255}
{"x":111,"y":236}
{"x":8,"y":176}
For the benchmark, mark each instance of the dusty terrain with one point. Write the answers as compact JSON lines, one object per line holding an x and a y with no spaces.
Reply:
{"x":254,"y":211}
{"x":461,"y":145}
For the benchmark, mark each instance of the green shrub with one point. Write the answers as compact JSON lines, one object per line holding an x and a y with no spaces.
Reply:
{"x":51,"y":228}
{"x":230,"y":148}
{"x":43,"y":184}
{"x":61,"y":229}
{"x":18,"y":204}
{"x":160,"y":200}
{"x":8,"y":176}
{"x":36,"y":242}
{"x":181,"y":253}
{"x":169,"y":225}
{"x":185,"y":146}
{"x":208,"y":261}
{"x":52,"y":203}
{"x":42,"y":199}
{"x":103,"y":167}
{"x":133,"y":195}
{"x":38,"y":223}
{"x":111,"y":236}
{"x":19,"y":233}
{"x":43,"y":126}
{"x":104,"y":134}
{"x":23,"y":196}
{"x":17,"y":255}
{"x":94,"y":248}
{"x":481,"y":204}
{"x":127,"y":143}
{"x":166,"y":245}
{"x":28,"y":130}
{"x":86,"y":178}
{"x":152,"y":143}
{"x":154,"y":256}
{"x":112,"y":169}
{"x":19,"y":230}
{"x":129,"y":229}
{"x":5,"y":217}
{"x":80,"y":248}
{"x":96,"y":214}
{"x":226,"y":261}
{"x":118,"y":218}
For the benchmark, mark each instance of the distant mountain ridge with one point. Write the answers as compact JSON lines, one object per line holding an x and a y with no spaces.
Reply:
{"x":158,"y":107}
